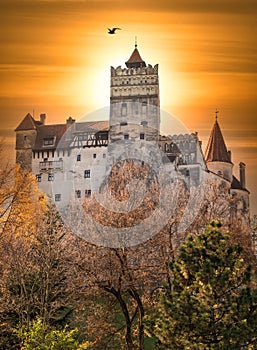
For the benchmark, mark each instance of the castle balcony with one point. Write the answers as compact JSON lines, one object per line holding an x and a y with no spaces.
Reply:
{"x":56,"y":165}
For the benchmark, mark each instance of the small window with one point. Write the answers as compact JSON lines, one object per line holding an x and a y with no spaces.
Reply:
{"x":86,"y":174}
{"x":104,"y":155}
{"x":87,"y":193}
{"x":48,"y":141}
{"x":144,"y":104}
{"x":126,"y":136}
{"x":144,"y":123}
{"x":94,"y":155}
{"x":123,"y":109}
{"x":57,"y":197}
{"x":123,"y":123}
{"x":78,"y":193}
{"x":142,"y":136}
{"x":50,"y":177}
{"x":38,"y":177}
{"x":78,"y":157}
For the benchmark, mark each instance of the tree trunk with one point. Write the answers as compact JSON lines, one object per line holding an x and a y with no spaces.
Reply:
{"x":125,"y":312}
{"x":141,"y":313}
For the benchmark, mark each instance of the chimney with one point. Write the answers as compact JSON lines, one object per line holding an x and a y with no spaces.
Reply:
{"x":69,"y":122}
{"x":242,"y":174}
{"x":229,"y":155}
{"x":43,"y":118}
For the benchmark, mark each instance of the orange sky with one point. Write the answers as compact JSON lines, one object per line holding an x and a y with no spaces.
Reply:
{"x":56,"y":55}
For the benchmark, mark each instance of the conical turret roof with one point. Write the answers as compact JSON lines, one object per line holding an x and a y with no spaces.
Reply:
{"x":135,"y":60}
{"x":216,"y":149}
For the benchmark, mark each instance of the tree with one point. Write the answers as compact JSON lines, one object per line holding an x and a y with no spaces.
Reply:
{"x":37,"y":275}
{"x":127,"y":274}
{"x":213,"y":300}
{"x":254,"y":233}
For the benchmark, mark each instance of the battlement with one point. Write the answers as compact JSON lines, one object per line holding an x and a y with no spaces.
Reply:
{"x":149,"y":70}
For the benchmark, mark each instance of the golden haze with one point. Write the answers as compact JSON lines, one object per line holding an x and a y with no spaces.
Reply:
{"x":56,"y":57}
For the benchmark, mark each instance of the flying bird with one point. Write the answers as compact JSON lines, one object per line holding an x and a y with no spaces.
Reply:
{"x":112,"y":31}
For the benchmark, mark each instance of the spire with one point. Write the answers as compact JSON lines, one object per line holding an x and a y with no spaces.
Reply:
{"x":216,"y":149}
{"x":216,"y":114}
{"x":135,"y":59}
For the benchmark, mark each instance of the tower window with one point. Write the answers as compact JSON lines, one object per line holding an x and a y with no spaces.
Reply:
{"x":94,"y":155}
{"x":142,"y":136}
{"x":87,"y":174}
{"x":78,"y":157}
{"x":123,"y":109}
{"x":144,"y":107}
{"x":126,"y":136}
{"x":38,"y":177}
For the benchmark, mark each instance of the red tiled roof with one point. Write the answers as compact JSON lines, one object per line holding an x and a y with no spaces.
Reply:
{"x":135,"y":60}
{"x":28,"y":123}
{"x":57,"y":132}
{"x":216,"y":149}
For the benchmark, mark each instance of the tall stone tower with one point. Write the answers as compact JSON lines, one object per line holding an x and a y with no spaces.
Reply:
{"x":134,"y":101}
{"x":26,"y":133}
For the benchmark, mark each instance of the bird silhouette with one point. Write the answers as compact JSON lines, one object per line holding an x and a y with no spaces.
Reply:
{"x":112,"y":31}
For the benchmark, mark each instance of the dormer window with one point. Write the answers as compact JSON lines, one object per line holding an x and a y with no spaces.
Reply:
{"x":48,"y":141}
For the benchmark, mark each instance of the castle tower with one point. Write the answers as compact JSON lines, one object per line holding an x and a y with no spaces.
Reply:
{"x":26,"y":133}
{"x":134,"y":101}
{"x":218,"y":158}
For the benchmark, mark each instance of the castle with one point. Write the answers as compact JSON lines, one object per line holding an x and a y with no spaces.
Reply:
{"x":47,"y":150}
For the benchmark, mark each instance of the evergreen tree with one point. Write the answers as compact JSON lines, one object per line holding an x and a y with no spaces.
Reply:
{"x":213,"y":300}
